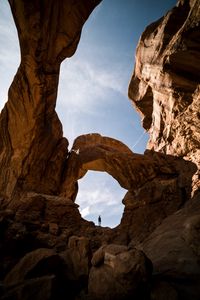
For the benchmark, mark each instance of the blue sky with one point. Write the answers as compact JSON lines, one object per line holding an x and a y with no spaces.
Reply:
{"x":93,"y":89}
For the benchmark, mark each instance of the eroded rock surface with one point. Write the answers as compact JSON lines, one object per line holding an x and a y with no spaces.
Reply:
{"x":98,"y":153}
{"x":32,"y":147}
{"x":46,"y":248}
{"x":174,"y":250}
{"x":165,"y":90}
{"x":165,"y":85}
{"x":119,"y":272}
{"x":157,"y":184}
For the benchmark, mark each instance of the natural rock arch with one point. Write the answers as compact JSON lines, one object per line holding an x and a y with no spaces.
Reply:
{"x":33,"y":154}
{"x":98,"y":153}
{"x":154,"y":181}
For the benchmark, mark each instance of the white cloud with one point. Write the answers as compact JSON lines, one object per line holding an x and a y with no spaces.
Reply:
{"x":100,"y":194}
{"x":82,"y":83}
{"x":85,"y":212}
{"x":9,"y":51}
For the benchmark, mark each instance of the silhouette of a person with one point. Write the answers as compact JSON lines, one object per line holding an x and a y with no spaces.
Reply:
{"x":99,"y":220}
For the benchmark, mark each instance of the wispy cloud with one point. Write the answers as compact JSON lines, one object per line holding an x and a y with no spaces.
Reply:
{"x":82,"y":83}
{"x":85,"y":211}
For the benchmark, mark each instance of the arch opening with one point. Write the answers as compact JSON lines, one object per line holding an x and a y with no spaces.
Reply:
{"x":100,"y":194}
{"x":93,"y":85}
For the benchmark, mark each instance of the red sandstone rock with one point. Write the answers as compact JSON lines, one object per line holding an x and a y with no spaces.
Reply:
{"x":160,"y":217}
{"x":32,"y":147}
{"x":157,"y":184}
{"x":98,"y":153}
{"x":165,"y":84}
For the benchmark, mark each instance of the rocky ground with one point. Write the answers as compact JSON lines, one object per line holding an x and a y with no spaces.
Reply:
{"x":47,"y":251}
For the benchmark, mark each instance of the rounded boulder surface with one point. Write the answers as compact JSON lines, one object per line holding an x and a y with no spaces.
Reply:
{"x":124,"y":273}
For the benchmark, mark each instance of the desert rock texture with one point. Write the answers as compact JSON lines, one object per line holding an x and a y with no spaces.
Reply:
{"x":32,"y":147}
{"x":47,"y":250}
{"x":165,"y":85}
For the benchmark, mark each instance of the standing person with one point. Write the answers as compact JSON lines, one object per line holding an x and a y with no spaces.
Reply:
{"x":99,"y":220}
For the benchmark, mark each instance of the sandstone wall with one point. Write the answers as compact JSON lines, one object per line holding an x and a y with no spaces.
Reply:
{"x":32,"y":147}
{"x":165,"y":84}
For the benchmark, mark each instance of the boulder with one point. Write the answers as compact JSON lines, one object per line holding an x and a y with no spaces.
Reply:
{"x":44,"y":209}
{"x":38,"y":272}
{"x":37,"y":263}
{"x":174,"y":250}
{"x":123,"y":273}
{"x":80,"y":256}
{"x":41,"y":288}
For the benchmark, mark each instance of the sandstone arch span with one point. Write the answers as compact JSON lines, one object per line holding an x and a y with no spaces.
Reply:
{"x":98,"y":153}
{"x":155,"y":182}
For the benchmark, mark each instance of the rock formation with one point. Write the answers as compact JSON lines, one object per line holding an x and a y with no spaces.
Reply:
{"x":32,"y":148}
{"x":155,"y":182}
{"x":123,"y":271}
{"x":165,"y":90}
{"x":165,"y":85}
{"x":47,"y":251}
{"x":97,"y":153}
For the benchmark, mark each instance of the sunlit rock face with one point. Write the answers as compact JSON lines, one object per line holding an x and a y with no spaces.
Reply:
{"x":32,"y":147}
{"x":46,"y":248}
{"x":157,"y":184}
{"x":165,"y":84}
{"x":165,"y":90}
{"x":99,"y":153}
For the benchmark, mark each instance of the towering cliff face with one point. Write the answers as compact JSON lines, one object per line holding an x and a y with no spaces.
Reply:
{"x":32,"y":147}
{"x":165,"y":85}
{"x":165,"y":89}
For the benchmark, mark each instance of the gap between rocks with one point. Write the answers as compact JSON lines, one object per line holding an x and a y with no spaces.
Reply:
{"x":100,"y":194}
